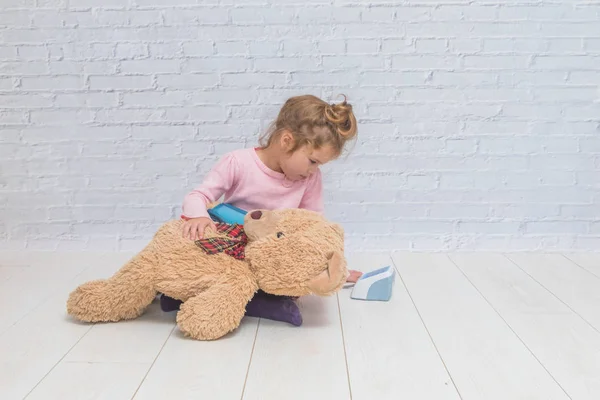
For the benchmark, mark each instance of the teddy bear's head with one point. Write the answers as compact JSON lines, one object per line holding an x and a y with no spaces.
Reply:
{"x":295,"y":252}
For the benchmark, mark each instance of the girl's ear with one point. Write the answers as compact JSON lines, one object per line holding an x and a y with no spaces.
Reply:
{"x":287,"y":140}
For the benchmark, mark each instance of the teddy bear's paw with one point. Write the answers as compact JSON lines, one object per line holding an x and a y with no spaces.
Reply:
{"x":105,"y":301}
{"x":211,"y":315}
{"x":202,"y":326}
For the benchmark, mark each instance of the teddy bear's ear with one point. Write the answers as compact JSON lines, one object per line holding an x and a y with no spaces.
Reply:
{"x":332,"y":278}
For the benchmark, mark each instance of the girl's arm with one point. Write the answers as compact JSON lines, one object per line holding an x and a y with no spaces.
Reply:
{"x":219,"y":180}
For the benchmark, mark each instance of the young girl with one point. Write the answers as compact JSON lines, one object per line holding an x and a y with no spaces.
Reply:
{"x":282,"y":173}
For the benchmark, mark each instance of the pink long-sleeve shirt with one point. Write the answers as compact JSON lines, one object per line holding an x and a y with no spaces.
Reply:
{"x":246,"y":182}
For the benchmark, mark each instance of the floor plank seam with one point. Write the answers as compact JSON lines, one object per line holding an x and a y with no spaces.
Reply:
{"x":58,"y":362}
{"x":427,"y":330}
{"x":250,"y":360}
{"x":105,"y":362}
{"x":509,"y":327}
{"x":580,"y":266}
{"x":153,"y":362}
{"x":40,"y":304}
{"x":552,"y":293}
{"x":344,"y":346}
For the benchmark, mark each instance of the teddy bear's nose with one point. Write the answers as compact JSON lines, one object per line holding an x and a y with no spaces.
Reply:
{"x":256,"y":214}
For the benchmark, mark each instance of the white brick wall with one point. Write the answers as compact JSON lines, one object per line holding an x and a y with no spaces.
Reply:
{"x":479,"y":120}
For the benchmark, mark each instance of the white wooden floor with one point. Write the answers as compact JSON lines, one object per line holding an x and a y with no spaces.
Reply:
{"x":461,"y":326}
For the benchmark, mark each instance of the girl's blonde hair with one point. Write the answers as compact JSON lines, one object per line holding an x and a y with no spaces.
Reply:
{"x":314,"y":122}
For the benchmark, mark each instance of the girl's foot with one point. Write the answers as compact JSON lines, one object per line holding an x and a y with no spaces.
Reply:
{"x":276,"y":308}
{"x":169,"y":304}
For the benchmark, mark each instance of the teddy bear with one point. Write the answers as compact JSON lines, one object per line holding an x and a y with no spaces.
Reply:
{"x":289,"y":252}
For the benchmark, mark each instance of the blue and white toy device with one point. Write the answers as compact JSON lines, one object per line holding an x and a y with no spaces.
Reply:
{"x":227,"y":213}
{"x":375,"y":285}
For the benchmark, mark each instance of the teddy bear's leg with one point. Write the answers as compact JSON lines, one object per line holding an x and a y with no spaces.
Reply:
{"x":262,"y":305}
{"x":216,"y":311}
{"x":123,"y":296}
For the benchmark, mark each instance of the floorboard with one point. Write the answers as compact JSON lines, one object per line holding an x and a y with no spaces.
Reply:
{"x":461,"y":326}
{"x":577,"y":287}
{"x":304,"y":362}
{"x":98,"y":381}
{"x":189,"y":369}
{"x":389,"y":353}
{"x":588,"y":261}
{"x":567,"y":346}
{"x":484,"y":357}
{"x":36,"y":343}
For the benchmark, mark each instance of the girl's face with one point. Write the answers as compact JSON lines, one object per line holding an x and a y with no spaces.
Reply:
{"x":303,"y":162}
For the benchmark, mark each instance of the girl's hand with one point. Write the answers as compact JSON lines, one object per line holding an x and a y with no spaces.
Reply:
{"x":194,"y":228}
{"x":354,"y":276}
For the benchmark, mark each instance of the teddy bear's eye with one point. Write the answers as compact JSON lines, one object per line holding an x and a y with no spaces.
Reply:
{"x":279,"y":234}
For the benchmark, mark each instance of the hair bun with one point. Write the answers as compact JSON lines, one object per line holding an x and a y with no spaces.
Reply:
{"x":340,"y":115}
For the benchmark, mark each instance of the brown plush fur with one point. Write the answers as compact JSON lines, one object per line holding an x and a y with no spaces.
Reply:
{"x":290,"y":252}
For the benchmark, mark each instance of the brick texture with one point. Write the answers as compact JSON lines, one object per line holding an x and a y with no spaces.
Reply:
{"x":479,"y":120}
